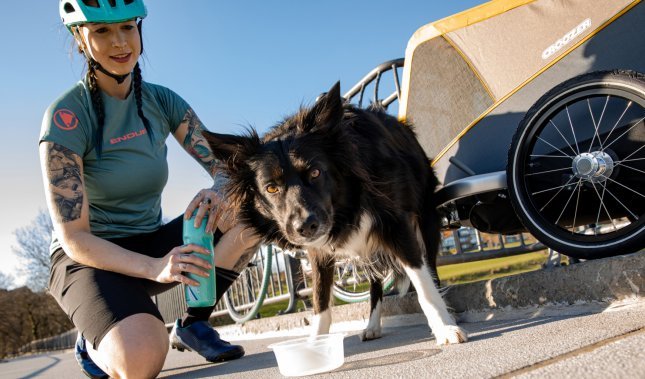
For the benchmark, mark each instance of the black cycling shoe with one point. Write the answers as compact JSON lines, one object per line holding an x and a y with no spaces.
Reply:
{"x":203,"y":339}
{"x":88,"y":366}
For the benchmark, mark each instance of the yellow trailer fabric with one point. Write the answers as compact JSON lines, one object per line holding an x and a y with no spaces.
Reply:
{"x":508,"y":49}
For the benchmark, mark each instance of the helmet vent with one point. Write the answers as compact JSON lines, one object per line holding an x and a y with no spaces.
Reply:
{"x":68,"y":8}
{"x":112,"y":3}
{"x":91,"y":3}
{"x":126,"y":2}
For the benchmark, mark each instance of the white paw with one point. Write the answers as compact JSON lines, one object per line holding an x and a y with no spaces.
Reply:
{"x":370,"y":334}
{"x":450,"y":334}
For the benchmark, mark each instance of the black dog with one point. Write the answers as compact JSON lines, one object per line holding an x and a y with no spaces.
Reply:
{"x":337,"y":180}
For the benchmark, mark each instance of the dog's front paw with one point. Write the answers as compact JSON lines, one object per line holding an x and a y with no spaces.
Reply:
{"x":370,"y":334}
{"x":450,"y":334}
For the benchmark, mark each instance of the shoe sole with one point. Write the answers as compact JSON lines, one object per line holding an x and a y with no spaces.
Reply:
{"x":106,"y":376}
{"x":220,"y":358}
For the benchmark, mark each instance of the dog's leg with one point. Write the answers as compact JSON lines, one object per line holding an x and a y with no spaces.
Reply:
{"x":410,"y":248}
{"x":373,"y":330}
{"x":443,"y":325}
{"x":322,"y":277}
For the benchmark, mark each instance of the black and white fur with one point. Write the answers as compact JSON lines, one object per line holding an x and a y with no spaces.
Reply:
{"x":336,"y":180}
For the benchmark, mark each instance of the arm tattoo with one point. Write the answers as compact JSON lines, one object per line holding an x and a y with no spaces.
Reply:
{"x":196,"y":144}
{"x":219,"y":183}
{"x":244,"y":260}
{"x":64,"y":173}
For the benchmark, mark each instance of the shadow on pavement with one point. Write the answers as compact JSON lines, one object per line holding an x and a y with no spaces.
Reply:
{"x":261,"y":361}
{"x":393,"y":337}
{"x":42,"y":370}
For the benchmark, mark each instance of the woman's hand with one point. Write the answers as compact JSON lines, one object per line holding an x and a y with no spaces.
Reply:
{"x":209,"y":202}
{"x":180,"y":261}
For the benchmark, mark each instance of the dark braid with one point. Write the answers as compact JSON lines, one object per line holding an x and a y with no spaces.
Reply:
{"x":97,"y":101}
{"x":97,"y":104}
{"x":138,"y":97}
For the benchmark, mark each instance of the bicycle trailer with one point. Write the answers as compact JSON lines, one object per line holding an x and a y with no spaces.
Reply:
{"x":532,"y":112}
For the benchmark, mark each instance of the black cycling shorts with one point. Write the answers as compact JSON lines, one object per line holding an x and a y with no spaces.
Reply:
{"x":96,"y":300}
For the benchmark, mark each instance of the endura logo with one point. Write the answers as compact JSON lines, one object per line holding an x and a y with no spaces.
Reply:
{"x":566,"y":39}
{"x":128,"y":136}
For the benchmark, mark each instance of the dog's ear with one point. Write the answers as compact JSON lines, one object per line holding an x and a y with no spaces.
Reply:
{"x":233,"y":149}
{"x":327,"y":112}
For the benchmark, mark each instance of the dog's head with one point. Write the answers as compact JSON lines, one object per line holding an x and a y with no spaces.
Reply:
{"x":287,"y":184}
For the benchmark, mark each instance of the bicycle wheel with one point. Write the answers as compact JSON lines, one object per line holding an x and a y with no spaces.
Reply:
{"x":351,"y":284}
{"x":244,"y":299}
{"x":575,"y":168}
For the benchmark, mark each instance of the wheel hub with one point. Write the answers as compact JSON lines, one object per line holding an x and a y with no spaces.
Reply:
{"x":595,"y":167}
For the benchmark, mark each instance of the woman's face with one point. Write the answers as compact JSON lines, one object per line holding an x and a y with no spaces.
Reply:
{"x":115,"y":46}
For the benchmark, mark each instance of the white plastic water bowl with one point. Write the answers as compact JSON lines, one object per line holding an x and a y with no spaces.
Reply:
{"x":310,"y":355}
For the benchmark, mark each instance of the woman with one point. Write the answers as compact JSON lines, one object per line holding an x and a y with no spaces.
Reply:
{"x":103,"y":157}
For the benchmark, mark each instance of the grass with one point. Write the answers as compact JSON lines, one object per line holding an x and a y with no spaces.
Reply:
{"x":491,"y":268}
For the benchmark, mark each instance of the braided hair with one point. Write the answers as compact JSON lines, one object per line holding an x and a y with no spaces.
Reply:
{"x":97,"y":102}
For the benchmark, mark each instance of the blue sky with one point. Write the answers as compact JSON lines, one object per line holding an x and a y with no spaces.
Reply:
{"x":236,"y":62}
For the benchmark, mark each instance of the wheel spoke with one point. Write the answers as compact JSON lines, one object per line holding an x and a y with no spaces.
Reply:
{"x":626,"y":159}
{"x":621,"y":203}
{"x":624,"y":186}
{"x":601,"y":207}
{"x":553,"y":188}
{"x":556,"y":194}
{"x":575,"y":211}
{"x":567,"y":203}
{"x":629,"y":104}
{"x":563,"y":137}
{"x":625,"y":132}
{"x":596,"y":126}
{"x":548,"y":143}
{"x":548,"y":171}
{"x":572,"y":130}
{"x":632,"y":168}
{"x":631,"y":160}
{"x":549,"y":156}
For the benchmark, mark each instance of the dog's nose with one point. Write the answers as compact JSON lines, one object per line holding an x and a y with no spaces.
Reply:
{"x":308,"y":227}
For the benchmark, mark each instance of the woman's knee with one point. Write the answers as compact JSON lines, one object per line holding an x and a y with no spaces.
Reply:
{"x":136,"y":347}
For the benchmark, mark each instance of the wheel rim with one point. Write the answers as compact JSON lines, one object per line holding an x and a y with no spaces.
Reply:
{"x":251,"y":288}
{"x":581,"y":165}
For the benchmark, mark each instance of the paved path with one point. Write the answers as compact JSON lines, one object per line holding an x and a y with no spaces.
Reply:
{"x":584,"y":321}
{"x":580,"y":341}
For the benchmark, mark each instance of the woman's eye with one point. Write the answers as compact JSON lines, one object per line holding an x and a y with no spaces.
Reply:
{"x":314,"y":173}
{"x":271,"y":188}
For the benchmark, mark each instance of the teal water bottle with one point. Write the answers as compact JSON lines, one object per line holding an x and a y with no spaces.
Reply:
{"x":204,"y":294}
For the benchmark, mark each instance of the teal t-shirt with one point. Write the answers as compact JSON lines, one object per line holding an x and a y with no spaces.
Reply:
{"x":124,"y":186}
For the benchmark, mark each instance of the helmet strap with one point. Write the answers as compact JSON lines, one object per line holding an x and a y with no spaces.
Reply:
{"x":97,"y":66}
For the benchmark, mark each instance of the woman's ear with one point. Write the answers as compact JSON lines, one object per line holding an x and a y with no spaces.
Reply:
{"x":78,"y":38}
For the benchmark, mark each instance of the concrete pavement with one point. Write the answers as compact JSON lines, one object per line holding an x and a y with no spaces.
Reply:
{"x":585,"y":342}
{"x":586,"y":320}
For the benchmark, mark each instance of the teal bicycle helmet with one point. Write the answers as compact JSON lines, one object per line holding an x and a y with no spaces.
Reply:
{"x":77,"y":12}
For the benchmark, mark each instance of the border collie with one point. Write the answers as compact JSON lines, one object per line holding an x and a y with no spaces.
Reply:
{"x":340,"y":181}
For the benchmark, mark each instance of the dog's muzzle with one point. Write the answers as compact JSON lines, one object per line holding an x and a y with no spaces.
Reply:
{"x":308,"y":227}
{"x":307,"y":231}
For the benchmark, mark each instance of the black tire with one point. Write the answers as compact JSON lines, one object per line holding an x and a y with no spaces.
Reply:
{"x":576,"y":167}
{"x":251,"y":287}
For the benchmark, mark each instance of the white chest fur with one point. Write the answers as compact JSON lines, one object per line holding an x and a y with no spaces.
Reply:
{"x":360,"y":243}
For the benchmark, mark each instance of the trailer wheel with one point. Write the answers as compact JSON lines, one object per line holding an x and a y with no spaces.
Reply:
{"x":576,"y":167}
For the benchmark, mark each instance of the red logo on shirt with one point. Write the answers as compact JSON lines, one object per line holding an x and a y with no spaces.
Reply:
{"x":65,"y":119}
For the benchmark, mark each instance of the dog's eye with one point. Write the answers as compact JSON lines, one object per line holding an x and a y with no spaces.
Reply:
{"x":271,"y":188}
{"x":314,"y":173}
